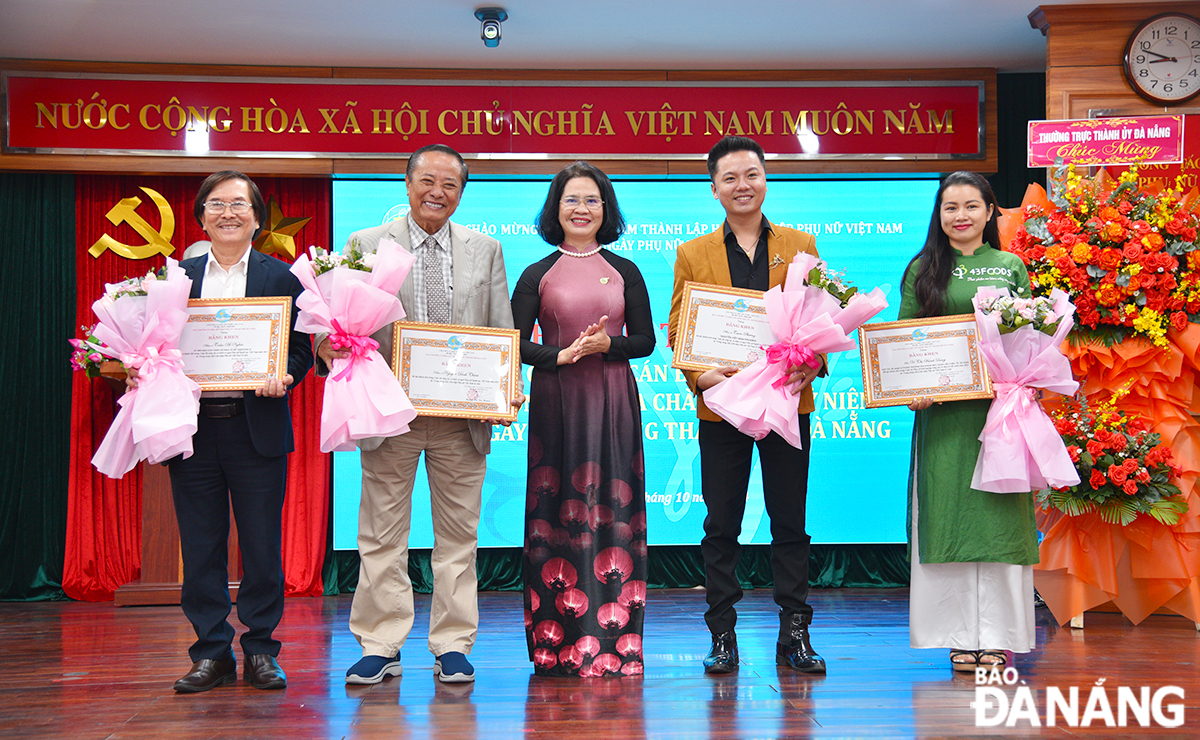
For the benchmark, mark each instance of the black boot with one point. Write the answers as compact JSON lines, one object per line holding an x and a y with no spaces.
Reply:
{"x":798,"y":652}
{"x":723,"y":658}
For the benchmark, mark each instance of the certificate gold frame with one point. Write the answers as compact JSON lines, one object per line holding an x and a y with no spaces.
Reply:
{"x":697,"y":296}
{"x":228,"y":313}
{"x":954,"y":339}
{"x":408,"y":335}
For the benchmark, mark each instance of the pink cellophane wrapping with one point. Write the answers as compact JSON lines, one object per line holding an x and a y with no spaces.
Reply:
{"x":157,"y":418}
{"x":363,"y":397}
{"x":1021,"y":451}
{"x":802,"y":316}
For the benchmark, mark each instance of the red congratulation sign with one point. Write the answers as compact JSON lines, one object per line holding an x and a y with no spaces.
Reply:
{"x":1100,"y":141}
{"x":284,"y":117}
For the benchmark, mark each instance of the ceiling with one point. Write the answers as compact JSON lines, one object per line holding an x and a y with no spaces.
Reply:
{"x":539,"y":34}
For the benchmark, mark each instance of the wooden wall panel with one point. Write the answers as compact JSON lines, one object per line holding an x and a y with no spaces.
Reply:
{"x":1085,"y":47}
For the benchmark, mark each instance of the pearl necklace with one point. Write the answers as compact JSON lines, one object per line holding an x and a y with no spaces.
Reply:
{"x":580,"y":254}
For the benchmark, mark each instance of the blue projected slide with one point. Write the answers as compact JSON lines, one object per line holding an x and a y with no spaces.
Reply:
{"x":868,"y":229}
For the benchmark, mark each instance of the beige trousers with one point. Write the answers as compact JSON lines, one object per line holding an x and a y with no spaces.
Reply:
{"x":382,"y":612}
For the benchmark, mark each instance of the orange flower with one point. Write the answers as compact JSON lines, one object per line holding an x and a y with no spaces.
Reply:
{"x":1112,"y":232}
{"x":1153,"y":241}
{"x":1081,"y":253}
{"x":1109,"y":259}
{"x":1108,"y":295}
{"x":1097,"y":480}
{"x":1055,"y":253}
{"x":1108,"y":213}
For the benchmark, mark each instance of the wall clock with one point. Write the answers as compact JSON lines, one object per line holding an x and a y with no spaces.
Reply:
{"x":1162,"y":59}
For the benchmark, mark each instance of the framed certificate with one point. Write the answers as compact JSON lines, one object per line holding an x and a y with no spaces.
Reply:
{"x":936,"y":357}
{"x":719,"y":326}
{"x":235,"y":344}
{"x":468,"y":372}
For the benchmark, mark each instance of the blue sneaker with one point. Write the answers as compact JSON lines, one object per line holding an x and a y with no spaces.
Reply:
{"x":453,"y":668}
{"x":372,"y":669}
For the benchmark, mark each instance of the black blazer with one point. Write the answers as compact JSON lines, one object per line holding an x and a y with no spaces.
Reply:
{"x":269,"y":418}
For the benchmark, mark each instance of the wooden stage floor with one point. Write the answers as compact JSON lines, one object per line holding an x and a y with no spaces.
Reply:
{"x":75,"y":670}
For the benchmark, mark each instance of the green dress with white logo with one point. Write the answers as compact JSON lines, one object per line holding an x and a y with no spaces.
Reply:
{"x":957,"y":523}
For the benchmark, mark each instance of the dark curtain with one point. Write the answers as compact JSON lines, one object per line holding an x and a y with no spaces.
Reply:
{"x":1020,"y":98}
{"x":37,"y":279}
{"x":499,"y":569}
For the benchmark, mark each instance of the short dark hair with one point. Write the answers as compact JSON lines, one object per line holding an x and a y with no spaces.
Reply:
{"x":215,"y":179}
{"x":442,"y":148}
{"x":611,"y":227}
{"x":730,"y":144}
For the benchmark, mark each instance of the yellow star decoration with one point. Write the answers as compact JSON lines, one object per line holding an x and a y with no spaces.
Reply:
{"x":277,"y":234}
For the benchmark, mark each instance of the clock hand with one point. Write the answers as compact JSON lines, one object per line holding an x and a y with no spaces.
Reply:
{"x":1164,"y":59}
{"x":1155,"y":53}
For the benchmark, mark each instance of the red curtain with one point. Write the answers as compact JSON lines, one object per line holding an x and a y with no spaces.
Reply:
{"x":103,"y":548}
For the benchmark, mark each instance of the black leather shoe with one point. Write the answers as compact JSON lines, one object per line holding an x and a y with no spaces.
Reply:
{"x":723,"y":658}
{"x":263,"y":672}
{"x":798,"y":652}
{"x":207,"y":674}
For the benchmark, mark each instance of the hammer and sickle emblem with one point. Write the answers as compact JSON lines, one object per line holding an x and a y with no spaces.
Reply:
{"x":156,"y":241}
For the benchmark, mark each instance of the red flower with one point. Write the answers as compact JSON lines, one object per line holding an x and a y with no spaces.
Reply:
{"x":613,"y":565}
{"x":1143,"y":475}
{"x":572,"y":603}
{"x":559,"y":575}
{"x":1132,"y":251}
{"x":633,"y":595}
{"x":1117,"y":474}
{"x":1129,"y":487}
{"x":612,"y":616}
{"x":1179,"y":321}
{"x":629,"y":646}
{"x":1097,"y":480}
{"x":548,"y":633}
{"x":1095,"y":449}
{"x":1073,"y":451}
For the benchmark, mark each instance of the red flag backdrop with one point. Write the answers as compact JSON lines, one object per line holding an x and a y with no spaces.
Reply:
{"x":103,"y":548}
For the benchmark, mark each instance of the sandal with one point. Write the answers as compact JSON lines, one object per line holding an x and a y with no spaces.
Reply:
{"x":997,"y":659}
{"x":964,"y":660}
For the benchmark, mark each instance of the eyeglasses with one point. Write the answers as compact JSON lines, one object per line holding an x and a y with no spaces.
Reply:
{"x":572,"y":202}
{"x":239,"y":207}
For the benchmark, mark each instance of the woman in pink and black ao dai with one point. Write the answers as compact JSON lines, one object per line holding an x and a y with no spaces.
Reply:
{"x":585,"y":525}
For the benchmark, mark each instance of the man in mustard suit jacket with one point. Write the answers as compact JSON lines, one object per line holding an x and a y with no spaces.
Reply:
{"x":749,"y":252}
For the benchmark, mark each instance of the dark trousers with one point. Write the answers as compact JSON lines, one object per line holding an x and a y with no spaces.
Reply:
{"x":725,"y":473}
{"x":226,"y":468}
